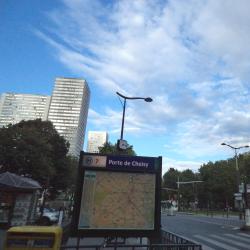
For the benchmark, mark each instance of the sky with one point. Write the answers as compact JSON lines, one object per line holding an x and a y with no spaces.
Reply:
{"x":191,"y":57}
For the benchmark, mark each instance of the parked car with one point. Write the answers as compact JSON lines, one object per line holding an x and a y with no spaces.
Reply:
{"x":50,"y":216}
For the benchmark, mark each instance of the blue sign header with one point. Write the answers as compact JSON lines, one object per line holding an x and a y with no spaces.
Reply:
{"x":131,"y":162}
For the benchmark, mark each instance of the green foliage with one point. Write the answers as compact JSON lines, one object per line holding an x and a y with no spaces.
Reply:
{"x":244,"y":165}
{"x":188,"y":191}
{"x":35,"y":149}
{"x":218,"y":186}
{"x":170,"y":179}
{"x":111,"y":149}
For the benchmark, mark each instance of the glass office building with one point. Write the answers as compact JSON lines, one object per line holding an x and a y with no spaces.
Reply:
{"x":69,"y":110}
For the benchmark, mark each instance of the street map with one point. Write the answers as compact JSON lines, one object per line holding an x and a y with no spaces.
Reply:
{"x":117,"y":200}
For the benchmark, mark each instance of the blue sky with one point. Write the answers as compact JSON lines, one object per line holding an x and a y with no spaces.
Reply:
{"x":191,"y":57}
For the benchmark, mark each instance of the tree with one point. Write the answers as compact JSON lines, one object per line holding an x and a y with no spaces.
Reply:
{"x":111,"y":149}
{"x":170,"y":179}
{"x":244,"y":165}
{"x":219,"y":184}
{"x":35,"y":149}
{"x":188,"y":191}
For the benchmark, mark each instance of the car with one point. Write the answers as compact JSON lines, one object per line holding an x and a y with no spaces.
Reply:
{"x":50,"y":216}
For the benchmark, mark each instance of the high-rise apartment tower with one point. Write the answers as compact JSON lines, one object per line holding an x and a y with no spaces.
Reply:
{"x":96,"y":139}
{"x":17,"y":107}
{"x":69,"y":110}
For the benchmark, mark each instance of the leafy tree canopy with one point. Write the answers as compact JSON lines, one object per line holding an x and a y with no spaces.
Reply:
{"x":35,"y":149}
{"x":109,"y":148}
{"x":218,"y":186}
{"x":170,"y":178}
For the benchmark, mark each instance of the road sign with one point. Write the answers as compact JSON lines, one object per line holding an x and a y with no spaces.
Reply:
{"x":238,"y":196}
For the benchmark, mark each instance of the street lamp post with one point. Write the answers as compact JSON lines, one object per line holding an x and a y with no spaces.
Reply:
{"x":122,"y":144}
{"x":236,"y":163}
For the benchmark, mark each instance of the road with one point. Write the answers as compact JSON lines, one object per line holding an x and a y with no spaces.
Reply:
{"x":212,"y":232}
{"x":2,"y":237}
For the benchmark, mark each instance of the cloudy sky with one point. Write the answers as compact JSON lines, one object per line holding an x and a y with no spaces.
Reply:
{"x":191,"y":57}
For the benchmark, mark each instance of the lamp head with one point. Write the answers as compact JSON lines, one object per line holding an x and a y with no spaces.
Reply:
{"x":223,"y":144}
{"x":148,"y":99}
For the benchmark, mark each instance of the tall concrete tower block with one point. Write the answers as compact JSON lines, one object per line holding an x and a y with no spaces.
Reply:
{"x":69,"y":111}
{"x":96,"y":139}
{"x":17,"y":107}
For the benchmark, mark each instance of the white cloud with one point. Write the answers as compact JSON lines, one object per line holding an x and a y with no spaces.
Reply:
{"x":179,"y":165}
{"x":111,"y":121}
{"x":226,"y":34}
{"x":191,"y":57}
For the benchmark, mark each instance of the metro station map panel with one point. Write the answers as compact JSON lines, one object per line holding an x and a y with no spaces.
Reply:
{"x":113,"y":200}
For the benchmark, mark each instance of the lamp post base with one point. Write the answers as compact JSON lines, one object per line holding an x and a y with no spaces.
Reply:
{"x":247,"y":216}
{"x":246,"y":227}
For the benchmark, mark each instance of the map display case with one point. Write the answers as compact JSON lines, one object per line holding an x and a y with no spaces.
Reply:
{"x":117,"y":196}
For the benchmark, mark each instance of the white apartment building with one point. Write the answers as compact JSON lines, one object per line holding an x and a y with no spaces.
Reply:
{"x":96,"y":139}
{"x":17,"y":107}
{"x":69,"y":110}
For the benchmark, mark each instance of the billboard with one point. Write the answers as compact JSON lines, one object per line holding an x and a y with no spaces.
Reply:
{"x":117,"y":195}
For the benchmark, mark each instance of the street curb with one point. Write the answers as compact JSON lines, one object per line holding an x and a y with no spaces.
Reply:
{"x":187,"y":213}
{"x":233,"y":217}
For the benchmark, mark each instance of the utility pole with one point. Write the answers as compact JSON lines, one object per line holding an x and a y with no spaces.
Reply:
{"x":247,"y":213}
{"x":178,"y":195}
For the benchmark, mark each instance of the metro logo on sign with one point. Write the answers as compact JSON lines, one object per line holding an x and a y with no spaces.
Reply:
{"x":94,"y":160}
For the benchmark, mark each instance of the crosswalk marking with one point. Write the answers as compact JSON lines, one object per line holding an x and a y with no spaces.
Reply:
{"x":216,"y":243}
{"x":237,"y":237}
{"x":230,"y":241}
{"x":205,"y":247}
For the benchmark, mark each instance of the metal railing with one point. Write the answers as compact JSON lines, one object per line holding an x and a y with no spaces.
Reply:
{"x":169,"y":237}
{"x":168,"y":241}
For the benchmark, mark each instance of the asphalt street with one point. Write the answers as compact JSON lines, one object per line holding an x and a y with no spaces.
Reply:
{"x":211,"y":232}
{"x":2,"y":238}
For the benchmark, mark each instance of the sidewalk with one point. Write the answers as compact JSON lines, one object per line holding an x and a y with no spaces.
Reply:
{"x":232,"y":220}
